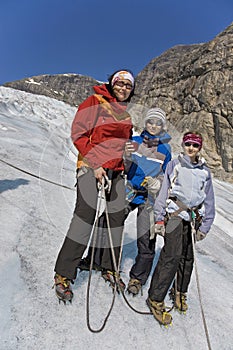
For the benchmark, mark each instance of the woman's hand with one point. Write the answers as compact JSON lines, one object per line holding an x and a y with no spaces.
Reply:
{"x":99,"y":174}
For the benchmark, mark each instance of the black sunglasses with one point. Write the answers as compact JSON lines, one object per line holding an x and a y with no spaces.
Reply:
{"x":121,"y":84}
{"x":195,"y":145}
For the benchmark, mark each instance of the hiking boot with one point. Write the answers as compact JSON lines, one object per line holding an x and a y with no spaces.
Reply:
{"x":158,"y":309}
{"x":84,"y":265}
{"x":62,"y":288}
{"x":114,"y":279}
{"x":134,"y":286}
{"x":179,"y":300}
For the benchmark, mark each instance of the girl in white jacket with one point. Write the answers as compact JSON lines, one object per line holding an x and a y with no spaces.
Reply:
{"x":186,"y":188}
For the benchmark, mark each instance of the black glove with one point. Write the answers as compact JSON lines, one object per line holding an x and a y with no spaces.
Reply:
{"x":200,"y":235}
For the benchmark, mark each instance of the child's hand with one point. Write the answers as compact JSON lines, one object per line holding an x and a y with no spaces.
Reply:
{"x":200,"y":236}
{"x":130,"y":147}
{"x":160,"y":228}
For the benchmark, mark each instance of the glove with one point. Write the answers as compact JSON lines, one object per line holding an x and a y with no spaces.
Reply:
{"x":160,"y":228}
{"x":200,"y":235}
{"x":150,"y":142}
{"x":145,"y":151}
{"x":153,"y":185}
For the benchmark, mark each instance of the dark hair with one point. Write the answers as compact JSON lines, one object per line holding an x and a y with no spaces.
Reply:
{"x":109,"y":85}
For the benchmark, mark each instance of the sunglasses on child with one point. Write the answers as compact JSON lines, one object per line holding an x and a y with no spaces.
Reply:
{"x":155,"y":122}
{"x":121,"y":84}
{"x":195,"y":145}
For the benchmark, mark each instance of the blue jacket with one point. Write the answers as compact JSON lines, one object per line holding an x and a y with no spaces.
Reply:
{"x":148,"y":162}
{"x":192,"y":185}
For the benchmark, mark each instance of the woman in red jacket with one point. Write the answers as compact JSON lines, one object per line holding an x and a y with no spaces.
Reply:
{"x":99,"y":131}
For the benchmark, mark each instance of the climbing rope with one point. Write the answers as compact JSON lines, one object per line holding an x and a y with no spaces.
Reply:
{"x":117,"y":266}
{"x":36,"y":176}
{"x":193,"y":234}
{"x":93,"y":238}
{"x":101,"y":196}
{"x":105,"y":186}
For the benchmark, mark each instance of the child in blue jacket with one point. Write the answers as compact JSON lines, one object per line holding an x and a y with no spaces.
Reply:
{"x":146,"y":158}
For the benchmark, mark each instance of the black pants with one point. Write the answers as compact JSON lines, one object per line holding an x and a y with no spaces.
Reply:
{"x":81,"y":224}
{"x":146,"y":247}
{"x":176,"y":257}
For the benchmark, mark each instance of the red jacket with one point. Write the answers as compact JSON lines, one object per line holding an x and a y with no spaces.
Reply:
{"x":100,"y":129}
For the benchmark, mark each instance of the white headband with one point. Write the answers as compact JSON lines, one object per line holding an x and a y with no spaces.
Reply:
{"x":123,"y":74}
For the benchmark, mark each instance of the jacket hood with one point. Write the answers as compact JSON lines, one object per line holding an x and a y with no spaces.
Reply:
{"x":163,"y":137}
{"x":185,"y":160}
{"x":103,"y":90}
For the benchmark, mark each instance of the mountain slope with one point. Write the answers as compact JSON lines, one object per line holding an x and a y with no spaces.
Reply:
{"x":192,"y":83}
{"x":35,"y":215}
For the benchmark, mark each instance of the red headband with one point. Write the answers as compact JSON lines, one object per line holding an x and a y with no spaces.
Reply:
{"x":193,"y":138}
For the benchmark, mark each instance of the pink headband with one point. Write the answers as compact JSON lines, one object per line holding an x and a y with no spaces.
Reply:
{"x":193,"y":138}
{"x":123,"y":74}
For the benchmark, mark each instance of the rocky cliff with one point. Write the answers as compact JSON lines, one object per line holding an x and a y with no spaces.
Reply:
{"x":192,"y":83}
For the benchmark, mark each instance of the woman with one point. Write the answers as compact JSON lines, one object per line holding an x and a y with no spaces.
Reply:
{"x":186,"y":189}
{"x":99,"y":131}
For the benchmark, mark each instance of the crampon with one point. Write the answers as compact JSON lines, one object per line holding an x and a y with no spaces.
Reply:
{"x":63,"y":289}
{"x":114,"y":280}
{"x":179,"y":300}
{"x":159,"y":312}
{"x":134,"y":287}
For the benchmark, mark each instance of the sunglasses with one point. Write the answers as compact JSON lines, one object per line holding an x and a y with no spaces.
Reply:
{"x":121,"y":84}
{"x":155,"y":122}
{"x":195,"y":145}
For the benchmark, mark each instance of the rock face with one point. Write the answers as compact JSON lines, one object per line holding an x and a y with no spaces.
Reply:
{"x":69,"y":88}
{"x":192,"y":83}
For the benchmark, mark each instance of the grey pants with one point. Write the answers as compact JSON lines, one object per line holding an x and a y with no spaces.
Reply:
{"x":79,"y":232}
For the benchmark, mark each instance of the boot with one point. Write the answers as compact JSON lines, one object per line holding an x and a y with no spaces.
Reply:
{"x":114,"y":279}
{"x":134,"y":286}
{"x":179,"y":300}
{"x":62,"y":288}
{"x":158,"y":309}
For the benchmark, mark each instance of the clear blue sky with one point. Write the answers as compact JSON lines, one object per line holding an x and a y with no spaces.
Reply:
{"x":96,"y":37}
